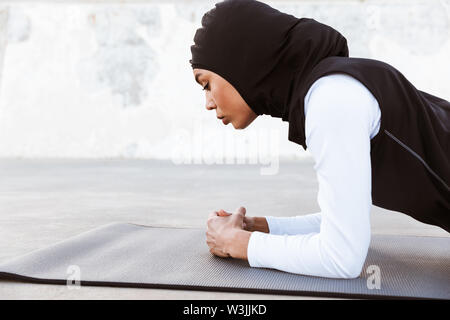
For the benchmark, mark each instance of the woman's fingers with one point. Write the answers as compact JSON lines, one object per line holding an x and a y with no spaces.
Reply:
{"x":238,"y":217}
{"x":215,"y":226}
{"x":217,"y":253}
{"x":213,"y":214}
{"x":223,"y":213}
{"x":241,"y":211}
{"x":220,"y":213}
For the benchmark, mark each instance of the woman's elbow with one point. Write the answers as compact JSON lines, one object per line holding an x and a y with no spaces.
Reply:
{"x":352,"y":267}
{"x":352,"y":272}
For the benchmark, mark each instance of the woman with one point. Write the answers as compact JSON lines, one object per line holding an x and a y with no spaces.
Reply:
{"x":375,"y":138}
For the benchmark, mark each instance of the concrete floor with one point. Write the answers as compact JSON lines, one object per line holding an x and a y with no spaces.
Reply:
{"x":45,"y":201}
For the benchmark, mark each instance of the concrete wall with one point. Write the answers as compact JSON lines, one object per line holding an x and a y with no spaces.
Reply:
{"x":96,"y":79}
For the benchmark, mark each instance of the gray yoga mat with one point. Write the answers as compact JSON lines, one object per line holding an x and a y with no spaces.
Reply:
{"x":130,"y":255}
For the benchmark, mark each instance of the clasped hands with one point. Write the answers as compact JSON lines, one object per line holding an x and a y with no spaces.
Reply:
{"x":227,"y":234}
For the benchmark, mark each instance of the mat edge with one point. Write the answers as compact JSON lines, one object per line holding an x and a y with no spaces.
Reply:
{"x":20,"y":278}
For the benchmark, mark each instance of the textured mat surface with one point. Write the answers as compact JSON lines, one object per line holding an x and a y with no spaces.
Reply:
{"x":129,"y":255}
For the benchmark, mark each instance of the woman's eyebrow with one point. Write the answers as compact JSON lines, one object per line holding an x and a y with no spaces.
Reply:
{"x":196,"y":78}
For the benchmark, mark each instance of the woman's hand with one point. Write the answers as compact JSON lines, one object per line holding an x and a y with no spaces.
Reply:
{"x":225,"y":234}
{"x":250,"y":223}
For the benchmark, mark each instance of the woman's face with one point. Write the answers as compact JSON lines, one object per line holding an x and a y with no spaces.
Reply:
{"x":224,"y":98}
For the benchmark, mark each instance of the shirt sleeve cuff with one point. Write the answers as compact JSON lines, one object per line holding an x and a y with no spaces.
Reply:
{"x":273,"y":224}
{"x":254,"y":249}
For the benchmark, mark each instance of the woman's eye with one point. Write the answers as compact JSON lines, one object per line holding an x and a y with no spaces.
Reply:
{"x":206,"y":87}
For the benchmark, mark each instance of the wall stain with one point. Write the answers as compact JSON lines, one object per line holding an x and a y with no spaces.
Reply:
{"x":124,"y":62}
{"x":19,"y":26}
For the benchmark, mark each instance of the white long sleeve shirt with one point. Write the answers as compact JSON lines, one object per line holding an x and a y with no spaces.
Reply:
{"x":341,"y":116}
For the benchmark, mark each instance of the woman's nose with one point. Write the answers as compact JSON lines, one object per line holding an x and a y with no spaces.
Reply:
{"x":210,"y":105}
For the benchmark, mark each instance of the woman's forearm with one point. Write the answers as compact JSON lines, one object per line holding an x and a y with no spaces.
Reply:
{"x":260,"y":224}
{"x":302,"y":224}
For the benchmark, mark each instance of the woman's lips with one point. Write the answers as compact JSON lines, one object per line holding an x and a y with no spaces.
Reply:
{"x":223,"y":119}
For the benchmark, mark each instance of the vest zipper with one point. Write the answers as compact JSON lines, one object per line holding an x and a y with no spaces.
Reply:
{"x":418,"y":157}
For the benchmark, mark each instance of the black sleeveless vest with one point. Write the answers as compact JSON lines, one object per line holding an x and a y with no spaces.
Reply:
{"x":410,"y":155}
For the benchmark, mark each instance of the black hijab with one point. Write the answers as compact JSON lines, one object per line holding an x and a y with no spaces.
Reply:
{"x":262,"y":52}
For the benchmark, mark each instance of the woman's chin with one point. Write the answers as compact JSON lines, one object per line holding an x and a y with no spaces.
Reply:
{"x":238,"y":126}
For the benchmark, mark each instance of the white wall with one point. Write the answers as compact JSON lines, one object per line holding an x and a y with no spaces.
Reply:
{"x":108,"y":79}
